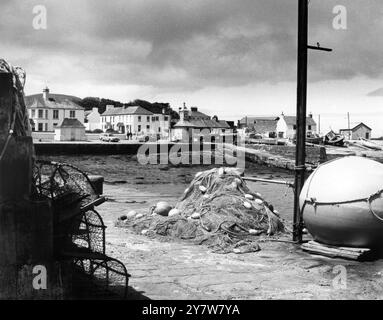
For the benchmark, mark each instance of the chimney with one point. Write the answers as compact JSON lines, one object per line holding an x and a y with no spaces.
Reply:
{"x":109,"y":107}
{"x":184,"y":106}
{"x":184,"y":114}
{"x":46,"y":93}
{"x":310,"y":115}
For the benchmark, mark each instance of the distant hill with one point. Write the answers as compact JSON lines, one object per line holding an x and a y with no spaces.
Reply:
{"x":376,"y":93}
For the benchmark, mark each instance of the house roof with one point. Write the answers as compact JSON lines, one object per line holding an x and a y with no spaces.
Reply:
{"x":357,"y":127}
{"x":198,"y":115}
{"x":255,"y":119}
{"x":202,"y":123}
{"x":292,"y":120}
{"x":70,"y":123}
{"x":54,"y":101}
{"x":265,"y":125}
{"x":136,"y":110}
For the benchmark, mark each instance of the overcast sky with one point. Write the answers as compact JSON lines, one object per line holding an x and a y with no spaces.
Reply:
{"x":230,"y":58}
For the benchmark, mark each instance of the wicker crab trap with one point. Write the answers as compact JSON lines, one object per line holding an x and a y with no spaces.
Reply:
{"x":79,"y":231}
{"x":217,"y":209}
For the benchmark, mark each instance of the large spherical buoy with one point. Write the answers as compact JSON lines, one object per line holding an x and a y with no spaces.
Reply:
{"x":342,"y":202}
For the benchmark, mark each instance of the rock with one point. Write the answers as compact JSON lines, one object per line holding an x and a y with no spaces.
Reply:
{"x":162,"y":208}
{"x":221,"y":171}
{"x":196,"y":215}
{"x":138,"y":216}
{"x":258,"y":195}
{"x":144,"y":232}
{"x":198,"y":174}
{"x":249,"y":196}
{"x":202,"y":189}
{"x":253,"y":231}
{"x":174,"y":212}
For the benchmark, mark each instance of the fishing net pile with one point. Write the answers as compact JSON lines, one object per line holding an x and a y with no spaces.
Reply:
{"x":218,"y":210}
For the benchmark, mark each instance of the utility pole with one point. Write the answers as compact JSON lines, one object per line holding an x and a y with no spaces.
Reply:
{"x":300,"y":155}
{"x":348,"y":125}
{"x":319,"y":124}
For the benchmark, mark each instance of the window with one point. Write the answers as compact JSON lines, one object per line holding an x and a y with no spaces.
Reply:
{"x":148,"y":119}
{"x":33,"y":113}
{"x":309,"y":127}
{"x":46,"y":114}
{"x":166,"y":118}
{"x":55,"y":125}
{"x":367,"y":135}
{"x":55,"y":114}
{"x":46,"y":127}
{"x":159,"y":129}
{"x":72,"y":114}
{"x":147,"y":128}
{"x":40,"y":127}
{"x":139,"y":128}
{"x":139,"y":119}
{"x":157,"y":118}
{"x":153,"y":118}
{"x":40,"y":114}
{"x":295,"y":127}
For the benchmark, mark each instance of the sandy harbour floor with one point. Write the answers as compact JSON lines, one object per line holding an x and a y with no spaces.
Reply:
{"x":179,"y":270}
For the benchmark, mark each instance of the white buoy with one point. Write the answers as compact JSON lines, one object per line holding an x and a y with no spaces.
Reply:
{"x":196,"y":215}
{"x":162,"y":208}
{"x":173,"y":212}
{"x":249,"y":196}
{"x":131,"y":214}
{"x":258,"y":201}
{"x":247,"y":205}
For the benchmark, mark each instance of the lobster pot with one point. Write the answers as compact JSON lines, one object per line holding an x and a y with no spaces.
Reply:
{"x":342,"y":203}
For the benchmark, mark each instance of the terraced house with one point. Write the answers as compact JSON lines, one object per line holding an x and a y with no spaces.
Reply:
{"x":47,"y":110}
{"x":135,"y":120}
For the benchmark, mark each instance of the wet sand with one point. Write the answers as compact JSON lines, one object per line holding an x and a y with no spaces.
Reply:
{"x":178,"y":270}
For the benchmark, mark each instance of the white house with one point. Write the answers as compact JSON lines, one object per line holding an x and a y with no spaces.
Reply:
{"x":287,"y":126}
{"x":92,"y":119}
{"x":135,"y":120}
{"x":70,"y":130}
{"x":46,"y":110}
{"x":194,"y":123}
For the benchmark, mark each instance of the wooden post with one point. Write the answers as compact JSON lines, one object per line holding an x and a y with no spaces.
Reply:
{"x":300,"y":157}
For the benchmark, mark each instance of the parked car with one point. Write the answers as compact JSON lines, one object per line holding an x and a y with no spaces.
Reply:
{"x":109,"y":137}
{"x":144,"y":138}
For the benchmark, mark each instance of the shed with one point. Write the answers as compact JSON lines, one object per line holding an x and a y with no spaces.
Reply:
{"x":70,"y":130}
{"x":359,"y":131}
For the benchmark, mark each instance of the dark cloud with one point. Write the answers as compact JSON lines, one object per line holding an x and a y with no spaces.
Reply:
{"x":190,"y":44}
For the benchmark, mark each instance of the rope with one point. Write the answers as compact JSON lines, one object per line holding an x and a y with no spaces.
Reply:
{"x":368,"y":200}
